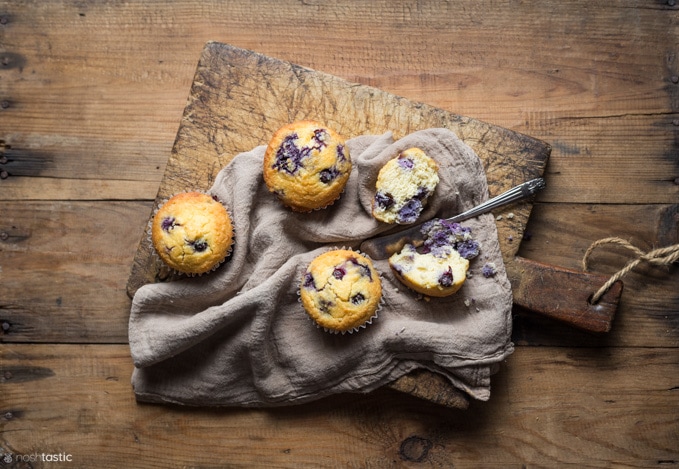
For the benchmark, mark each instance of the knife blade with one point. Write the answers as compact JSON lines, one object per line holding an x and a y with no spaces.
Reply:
{"x":382,"y":247}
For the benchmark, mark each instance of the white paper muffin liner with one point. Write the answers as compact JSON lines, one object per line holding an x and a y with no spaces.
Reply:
{"x":368,"y":321}
{"x":177,"y":272}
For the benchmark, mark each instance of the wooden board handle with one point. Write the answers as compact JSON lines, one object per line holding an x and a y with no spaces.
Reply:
{"x":563,"y":294}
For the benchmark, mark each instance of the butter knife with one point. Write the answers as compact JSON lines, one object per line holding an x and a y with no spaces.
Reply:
{"x":384,"y":246}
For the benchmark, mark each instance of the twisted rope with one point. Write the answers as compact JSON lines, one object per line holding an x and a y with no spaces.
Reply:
{"x":661,"y":256}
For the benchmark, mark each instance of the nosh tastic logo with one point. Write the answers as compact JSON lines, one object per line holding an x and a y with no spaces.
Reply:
{"x":8,"y":458}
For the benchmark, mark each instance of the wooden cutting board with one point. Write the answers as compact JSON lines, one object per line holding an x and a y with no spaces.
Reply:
{"x":239,"y":98}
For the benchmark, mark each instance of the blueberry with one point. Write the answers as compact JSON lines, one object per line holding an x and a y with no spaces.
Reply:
{"x":319,"y":136}
{"x":339,"y":272}
{"x":198,"y":246}
{"x":325,"y":305}
{"x":468,"y":249}
{"x":384,"y":200}
{"x":440,"y":239}
{"x":422,"y":193}
{"x":365,"y":271}
{"x":340,"y":153}
{"x":441,"y":252}
{"x":489,"y":270}
{"x":410,"y":211}
{"x":289,"y":157}
{"x":328,"y":175}
{"x":442,"y":233}
{"x":168,"y":223}
{"x":363,"y":268}
{"x":458,"y":231}
{"x":446,"y":278}
{"x":406,"y":163}
{"x":358,"y":298}
{"x":309,"y":281}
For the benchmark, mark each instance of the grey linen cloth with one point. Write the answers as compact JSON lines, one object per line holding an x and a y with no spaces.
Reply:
{"x":240,"y":337}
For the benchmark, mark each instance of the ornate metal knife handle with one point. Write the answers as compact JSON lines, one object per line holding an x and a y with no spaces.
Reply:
{"x":512,"y":195}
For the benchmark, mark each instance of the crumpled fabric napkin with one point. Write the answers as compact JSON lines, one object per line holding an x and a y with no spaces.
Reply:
{"x":240,"y":337}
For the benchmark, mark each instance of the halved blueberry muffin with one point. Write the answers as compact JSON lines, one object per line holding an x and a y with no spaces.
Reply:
{"x":192,"y":232}
{"x":341,"y":290}
{"x":439,"y":267}
{"x":404,"y":184}
{"x":307,"y":165}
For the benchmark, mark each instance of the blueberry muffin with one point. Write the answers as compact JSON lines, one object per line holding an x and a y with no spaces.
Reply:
{"x":403,"y":187}
{"x":306,"y":165}
{"x":341,"y":290}
{"x":439,"y":267}
{"x":192,"y":232}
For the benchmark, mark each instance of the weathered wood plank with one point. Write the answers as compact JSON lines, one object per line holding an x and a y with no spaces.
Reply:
{"x":98,"y":88}
{"x":81,"y":101}
{"x":550,"y":407}
{"x":47,"y":188}
{"x":64,"y":266}
{"x":629,"y":159}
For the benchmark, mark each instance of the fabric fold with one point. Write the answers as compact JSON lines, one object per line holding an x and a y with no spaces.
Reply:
{"x":239,"y":336}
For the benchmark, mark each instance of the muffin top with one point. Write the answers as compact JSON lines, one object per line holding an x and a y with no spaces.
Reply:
{"x":307,"y":165}
{"x":192,"y":232}
{"x":341,"y":290}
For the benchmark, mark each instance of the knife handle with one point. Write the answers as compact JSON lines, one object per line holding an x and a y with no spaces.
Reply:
{"x":514,"y":194}
{"x":563,"y":294}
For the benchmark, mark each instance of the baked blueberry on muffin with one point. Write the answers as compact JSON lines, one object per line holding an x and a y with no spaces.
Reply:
{"x":192,"y":232}
{"x":341,"y":290}
{"x":439,"y":267}
{"x":306,"y":165}
{"x":403,"y":187}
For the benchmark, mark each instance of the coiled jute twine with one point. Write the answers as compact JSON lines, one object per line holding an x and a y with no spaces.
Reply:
{"x":660,"y":256}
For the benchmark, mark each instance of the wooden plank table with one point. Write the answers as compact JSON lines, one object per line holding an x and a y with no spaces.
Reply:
{"x":91,"y":96}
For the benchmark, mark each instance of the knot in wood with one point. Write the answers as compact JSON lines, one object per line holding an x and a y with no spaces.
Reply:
{"x":415,"y":449}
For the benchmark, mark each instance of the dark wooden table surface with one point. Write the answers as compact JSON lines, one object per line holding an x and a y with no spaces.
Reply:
{"x":91,"y":96}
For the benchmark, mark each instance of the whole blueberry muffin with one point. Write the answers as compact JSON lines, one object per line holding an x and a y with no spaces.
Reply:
{"x":403,"y":187}
{"x":439,"y":267}
{"x":306,"y":165}
{"x":341,"y":290}
{"x":192,"y":232}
